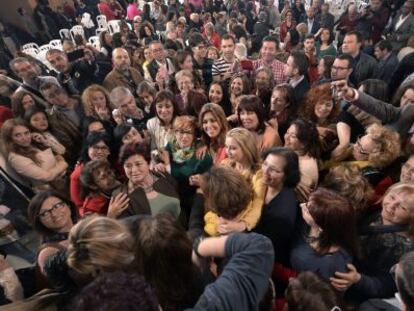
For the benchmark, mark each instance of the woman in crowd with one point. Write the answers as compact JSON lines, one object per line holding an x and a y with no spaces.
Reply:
{"x":146,"y":94}
{"x":386,"y":236}
{"x":161,"y":241}
{"x":144,"y":193}
{"x":264,"y":85}
{"x":288,"y":24}
{"x":52,"y":216}
{"x":329,"y":240}
{"x":214,"y":127}
{"x":218,"y":94}
{"x":105,"y":42}
{"x":281,"y":210}
{"x":243,"y":156}
{"x":96,"y":103}
{"x":181,"y":160}
{"x":251,"y":115}
{"x":302,"y":137}
{"x":160,"y":126}
{"x":292,"y":40}
{"x":374,"y":151}
{"x":96,"y":146}
{"x":239,"y":85}
{"x":320,"y":108}
{"x":407,"y":171}
{"x":185,"y":62}
{"x":21,"y":101}
{"x":324,"y":45}
{"x":324,"y":68}
{"x":353,"y":121}
{"x":35,"y":162}
{"x":99,"y":245}
{"x":282,"y":108}
{"x":97,"y":183}
{"x":125,"y":134}
{"x":41,"y":133}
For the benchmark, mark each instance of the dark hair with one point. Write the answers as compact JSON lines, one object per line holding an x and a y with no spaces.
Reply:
{"x":301,"y":61}
{"x":91,"y":140}
{"x":166,"y":95}
{"x":222,"y":179}
{"x":130,"y":150}
{"x":36,"y":204}
{"x":16,"y":102}
{"x":347,"y":57}
{"x":196,"y":39}
{"x":405,"y":280}
{"x":355,"y":33}
{"x":228,"y":37}
{"x":308,"y":292}
{"x":181,"y":55}
{"x":88,"y":183}
{"x":289,"y":94}
{"x":271,"y":39}
{"x":245,"y":81}
{"x":121,"y":130}
{"x":253,"y":103}
{"x":400,"y":92}
{"x":376,"y":88}
{"x":336,"y":217}
{"x":308,"y":135}
{"x":225,"y":102}
{"x":294,"y":36}
{"x":160,"y":241}
{"x":31,"y":112}
{"x":309,"y":36}
{"x":328,"y":61}
{"x":117,"y":40}
{"x":291,"y":168}
{"x":331,"y":36}
{"x":116,"y":290}
{"x":239,"y":32}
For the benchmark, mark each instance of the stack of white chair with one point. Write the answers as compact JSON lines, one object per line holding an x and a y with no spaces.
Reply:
{"x":94,"y":41}
{"x":30,"y":51}
{"x":30,"y":45}
{"x":113,"y":26}
{"x":101,"y":21}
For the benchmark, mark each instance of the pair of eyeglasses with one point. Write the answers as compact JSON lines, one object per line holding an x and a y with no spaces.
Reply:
{"x":360,"y":148}
{"x":47,"y":213}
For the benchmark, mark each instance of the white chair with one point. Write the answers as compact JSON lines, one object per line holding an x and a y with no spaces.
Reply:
{"x":77,"y":30}
{"x":113,"y":26}
{"x":30,"y":46}
{"x":56,"y":44}
{"x":44,"y":48}
{"x":94,"y":41}
{"x":65,"y":34}
{"x":31,"y":51}
{"x":101,"y":21}
{"x":99,"y":30}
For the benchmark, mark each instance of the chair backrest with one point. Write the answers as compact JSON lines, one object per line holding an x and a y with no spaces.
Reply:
{"x":31,"y":51}
{"x":30,"y":45}
{"x":101,"y":21}
{"x":56,"y":44}
{"x":113,"y":26}
{"x":64,"y":34}
{"x":77,"y":30}
{"x":94,"y":40}
{"x":99,"y":30}
{"x":45,"y":47}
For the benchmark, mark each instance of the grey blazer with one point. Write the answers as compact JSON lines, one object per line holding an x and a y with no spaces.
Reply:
{"x":400,"y":119}
{"x":400,"y":36}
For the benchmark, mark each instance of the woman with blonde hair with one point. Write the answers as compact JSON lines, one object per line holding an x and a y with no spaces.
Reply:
{"x":243,"y":156}
{"x":99,"y":244}
{"x":96,"y":103}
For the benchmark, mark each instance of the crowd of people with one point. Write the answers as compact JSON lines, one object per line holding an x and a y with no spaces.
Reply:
{"x":214,"y":156}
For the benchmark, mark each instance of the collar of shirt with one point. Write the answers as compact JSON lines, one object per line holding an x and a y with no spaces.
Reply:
{"x":295,"y":83}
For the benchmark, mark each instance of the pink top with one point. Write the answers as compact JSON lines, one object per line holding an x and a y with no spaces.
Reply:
{"x":198,"y":4}
{"x":132,"y":11}
{"x":106,"y":10}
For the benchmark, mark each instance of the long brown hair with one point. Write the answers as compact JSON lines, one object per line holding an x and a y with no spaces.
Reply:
{"x":220,"y":116}
{"x":10,"y":146}
{"x":161,"y":241}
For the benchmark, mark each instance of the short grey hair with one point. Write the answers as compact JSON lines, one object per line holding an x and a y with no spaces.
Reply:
{"x":118,"y":94}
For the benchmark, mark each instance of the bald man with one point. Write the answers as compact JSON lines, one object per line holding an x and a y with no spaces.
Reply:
{"x":122,"y":73}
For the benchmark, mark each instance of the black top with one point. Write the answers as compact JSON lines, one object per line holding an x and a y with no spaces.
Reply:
{"x":279,"y":221}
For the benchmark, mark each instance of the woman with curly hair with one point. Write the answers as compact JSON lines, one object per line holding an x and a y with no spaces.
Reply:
{"x":239,"y":85}
{"x":96,"y":103}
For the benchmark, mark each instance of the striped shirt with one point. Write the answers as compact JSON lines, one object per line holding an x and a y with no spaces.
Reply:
{"x":221,"y":66}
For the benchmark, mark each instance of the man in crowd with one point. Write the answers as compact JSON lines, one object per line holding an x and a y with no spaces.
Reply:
{"x":402,"y":26}
{"x":222,"y":67}
{"x":125,"y":102}
{"x":363,"y":64}
{"x":74,"y":76}
{"x":387,"y":61}
{"x":122,"y":74}
{"x":377,"y":16}
{"x":29,"y":73}
{"x":161,"y":67}
{"x":200,"y":60}
{"x":311,"y":21}
{"x":270,"y":47}
{"x":342,"y":67}
{"x":296,"y":69}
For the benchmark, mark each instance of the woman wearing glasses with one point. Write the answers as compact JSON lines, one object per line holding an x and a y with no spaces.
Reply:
{"x":52,"y":216}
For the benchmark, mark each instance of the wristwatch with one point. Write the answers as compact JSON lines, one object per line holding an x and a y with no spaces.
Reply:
{"x":196,"y":244}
